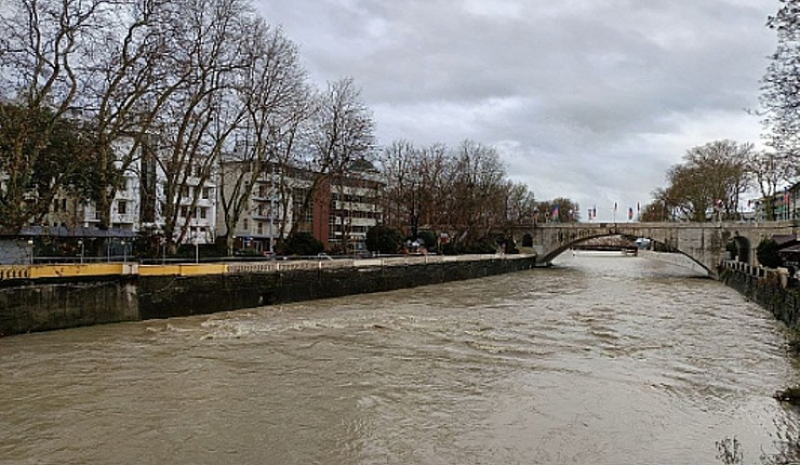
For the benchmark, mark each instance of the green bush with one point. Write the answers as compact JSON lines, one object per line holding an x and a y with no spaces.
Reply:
{"x":451,"y":248}
{"x":483,"y":246}
{"x":382,"y":239}
{"x":302,"y":243}
{"x":429,"y":239}
{"x":767,"y":253}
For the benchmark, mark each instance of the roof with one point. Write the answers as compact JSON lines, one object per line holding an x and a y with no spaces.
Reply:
{"x":791,"y":249}
{"x":784,"y":239}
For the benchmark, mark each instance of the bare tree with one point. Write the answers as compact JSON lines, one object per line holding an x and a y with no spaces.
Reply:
{"x":398,"y":165}
{"x":712,"y":179}
{"x":341,"y":133}
{"x":196,"y":123}
{"x":520,"y":204}
{"x":131,"y":81}
{"x":46,"y":47}
{"x":433,"y":184}
{"x":275,"y":95}
{"x":769,"y":170}
{"x":477,"y":192}
{"x":780,"y":90}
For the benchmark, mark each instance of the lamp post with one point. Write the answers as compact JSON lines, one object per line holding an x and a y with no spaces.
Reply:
{"x":124,"y":252}
{"x":80,"y":243}
{"x":30,"y":250}
{"x":271,"y":222}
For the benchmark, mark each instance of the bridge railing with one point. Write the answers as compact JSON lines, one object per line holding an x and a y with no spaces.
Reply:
{"x":746,"y":268}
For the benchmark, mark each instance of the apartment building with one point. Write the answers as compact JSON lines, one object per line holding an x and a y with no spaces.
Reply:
{"x":139,"y":203}
{"x":355,"y":207}
{"x":269,"y":210}
{"x":342,"y":211}
{"x":785,"y":205}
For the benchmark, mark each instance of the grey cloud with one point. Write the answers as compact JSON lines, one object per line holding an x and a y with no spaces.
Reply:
{"x":591,"y":99}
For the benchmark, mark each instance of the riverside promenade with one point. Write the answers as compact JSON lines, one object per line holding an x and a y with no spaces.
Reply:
{"x":19,"y":273}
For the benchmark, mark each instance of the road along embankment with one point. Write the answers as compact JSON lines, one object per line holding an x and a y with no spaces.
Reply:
{"x":48,"y":297}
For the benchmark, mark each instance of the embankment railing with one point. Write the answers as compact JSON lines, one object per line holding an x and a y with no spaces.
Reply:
{"x":127,"y":269}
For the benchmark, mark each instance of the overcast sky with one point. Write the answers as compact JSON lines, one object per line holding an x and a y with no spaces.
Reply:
{"x":588,"y":99}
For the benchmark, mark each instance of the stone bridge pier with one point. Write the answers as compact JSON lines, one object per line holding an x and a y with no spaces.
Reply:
{"x":705,"y":243}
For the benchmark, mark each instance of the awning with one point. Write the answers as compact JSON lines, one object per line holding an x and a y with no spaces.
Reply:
{"x":77,"y":232}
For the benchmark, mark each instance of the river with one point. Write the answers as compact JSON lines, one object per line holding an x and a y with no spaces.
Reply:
{"x":596,"y":361}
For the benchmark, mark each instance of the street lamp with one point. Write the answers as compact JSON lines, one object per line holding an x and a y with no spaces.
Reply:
{"x":80,"y":243}
{"x":124,"y":252}
{"x":271,"y":221}
{"x":30,"y":249}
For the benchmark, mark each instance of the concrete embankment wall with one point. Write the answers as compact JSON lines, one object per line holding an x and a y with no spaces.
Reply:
{"x":767,"y":288}
{"x":68,"y":302}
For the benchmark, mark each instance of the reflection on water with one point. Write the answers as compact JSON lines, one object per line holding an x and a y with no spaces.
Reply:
{"x":599,"y":360}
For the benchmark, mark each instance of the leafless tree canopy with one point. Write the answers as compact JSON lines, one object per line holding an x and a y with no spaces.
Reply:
{"x":464,"y":191}
{"x":205,"y":89}
{"x":708,"y":184}
{"x":780,"y":90}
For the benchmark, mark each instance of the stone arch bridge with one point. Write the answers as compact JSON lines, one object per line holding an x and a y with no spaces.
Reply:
{"x":705,"y":243}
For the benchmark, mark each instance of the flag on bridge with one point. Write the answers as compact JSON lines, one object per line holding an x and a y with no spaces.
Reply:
{"x":555,"y":212}
{"x":630,"y":213}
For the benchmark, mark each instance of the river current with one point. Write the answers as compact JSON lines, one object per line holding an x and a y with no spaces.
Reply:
{"x":596,"y":361}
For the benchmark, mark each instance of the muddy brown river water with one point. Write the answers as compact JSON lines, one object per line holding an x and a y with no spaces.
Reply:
{"x":598,"y":361}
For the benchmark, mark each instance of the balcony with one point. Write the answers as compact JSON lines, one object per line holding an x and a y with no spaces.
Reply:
{"x":127,"y":218}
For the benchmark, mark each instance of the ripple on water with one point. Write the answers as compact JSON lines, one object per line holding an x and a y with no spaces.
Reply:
{"x":595,"y":361}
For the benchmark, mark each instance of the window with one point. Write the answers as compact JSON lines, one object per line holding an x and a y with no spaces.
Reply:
{"x":260,"y":228}
{"x":206,"y":193}
{"x":122,"y":207}
{"x":55,"y":206}
{"x":64,"y":204}
{"x":203,"y":213}
{"x":184,"y":211}
{"x":245,"y":224}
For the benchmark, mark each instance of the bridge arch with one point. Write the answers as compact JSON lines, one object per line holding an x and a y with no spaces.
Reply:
{"x":740,"y":249}
{"x":566,"y":246}
{"x":527,"y":240}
